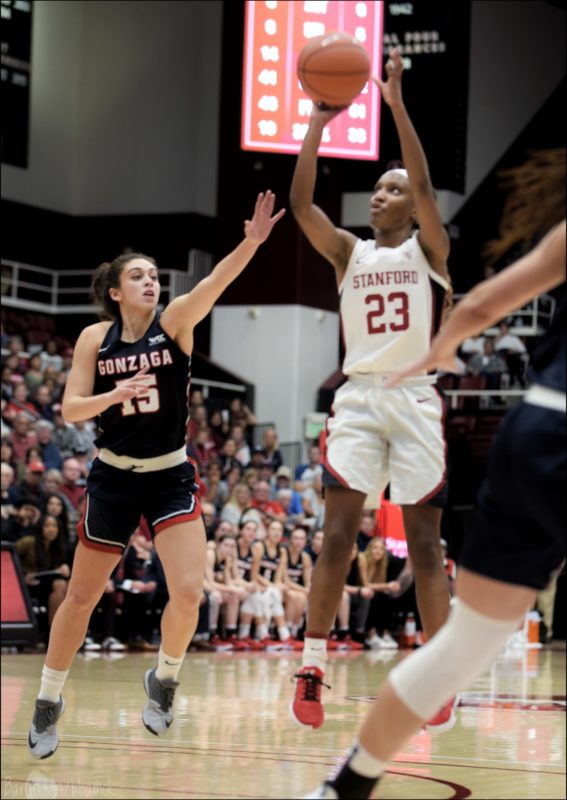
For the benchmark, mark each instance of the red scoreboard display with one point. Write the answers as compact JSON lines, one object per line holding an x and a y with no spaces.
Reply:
{"x":275,"y":109}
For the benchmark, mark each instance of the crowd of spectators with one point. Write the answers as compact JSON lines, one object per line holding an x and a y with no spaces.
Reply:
{"x":263,"y":522}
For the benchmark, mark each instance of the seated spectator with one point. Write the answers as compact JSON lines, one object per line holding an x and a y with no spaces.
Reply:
{"x":314,"y":503}
{"x":471,"y":346}
{"x":272,"y":455}
{"x":233,"y":477}
{"x":250,"y":478}
{"x":388,"y":578}
{"x":196,"y":399}
{"x":222,"y":574}
{"x":73,"y":486}
{"x":7,"y":475}
{"x":513,"y":350}
{"x":49,"y":451}
{"x":257,"y":459}
{"x":16,"y":349}
{"x":63,"y":434}
{"x":23,"y":517}
{"x":7,"y":383}
{"x":359,"y":597}
{"x":129,"y":579}
{"x":31,"y":484}
{"x":45,"y":551}
{"x":268,"y":571}
{"x":270,"y":509}
{"x":239,"y":500}
{"x":219,"y":428}
{"x":20,"y":403}
{"x":50,"y":357}
{"x":224,"y":528}
{"x":216,"y":489}
{"x":7,"y":452}
{"x":52,"y":483}
{"x":210,"y":519}
{"x":282,"y":480}
{"x":315,"y":546}
{"x":43,"y":401}
{"x":305,"y":473}
{"x":227,"y":457}
{"x":83,"y":441}
{"x":202,"y":448}
{"x":297,"y":572}
{"x":242,"y":450}
{"x":55,"y":506}
{"x":34,"y":374}
{"x":198,"y":419}
{"x":240,"y":414}
{"x":251,"y":609}
{"x":489,"y":364}
{"x":291,"y":503}
{"x":366,"y":530}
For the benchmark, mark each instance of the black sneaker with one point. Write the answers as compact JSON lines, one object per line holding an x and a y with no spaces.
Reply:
{"x":42,"y":738}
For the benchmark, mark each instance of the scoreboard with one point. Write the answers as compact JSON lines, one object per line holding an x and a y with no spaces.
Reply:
{"x":275,"y":109}
{"x":15,"y":72}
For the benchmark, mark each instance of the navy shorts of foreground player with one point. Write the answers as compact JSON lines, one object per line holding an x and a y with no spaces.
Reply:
{"x":119,"y":494}
{"x":519,"y":531}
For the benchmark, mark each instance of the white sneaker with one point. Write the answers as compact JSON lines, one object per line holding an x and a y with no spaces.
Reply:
{"x":389,"y":643}
{"x":374,"y":643}
{"x":324,"y":792}
{"x":90,"y":644}
{"x":110,"y":643}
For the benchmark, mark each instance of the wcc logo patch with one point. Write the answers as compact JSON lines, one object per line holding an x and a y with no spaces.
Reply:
{"x":159,"y":339}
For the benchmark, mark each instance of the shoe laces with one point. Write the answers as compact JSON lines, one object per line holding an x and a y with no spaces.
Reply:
{"x":165,"y":694}
{"x":311,"y":685}
{"x":45,"y":717}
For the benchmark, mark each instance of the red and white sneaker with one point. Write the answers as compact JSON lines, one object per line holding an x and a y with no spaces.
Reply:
{"x":257,"y":644}
{"x":238,"y":644}
{"x":306,"y":708}
{"x":352,"y":644}
{"x":220,"y":645}
{"x":445,"y":718}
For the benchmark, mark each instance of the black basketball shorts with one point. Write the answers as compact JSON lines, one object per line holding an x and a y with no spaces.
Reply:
{"x":117,"y":498}
{"x":519,"y":531}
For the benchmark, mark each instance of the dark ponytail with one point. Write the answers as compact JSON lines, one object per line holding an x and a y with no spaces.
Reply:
{"x":106,"y":277}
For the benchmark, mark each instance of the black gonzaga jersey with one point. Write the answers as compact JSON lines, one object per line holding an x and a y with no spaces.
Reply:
{"x":547,"y":363}
{"x":155,"y":422}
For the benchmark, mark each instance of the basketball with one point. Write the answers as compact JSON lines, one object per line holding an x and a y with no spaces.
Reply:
{"x":333,"y":68}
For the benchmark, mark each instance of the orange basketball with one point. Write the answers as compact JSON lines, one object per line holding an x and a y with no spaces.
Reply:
{"x":333,"y":68}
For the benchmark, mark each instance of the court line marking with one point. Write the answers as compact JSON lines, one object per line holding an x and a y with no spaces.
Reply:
{"x":226,"y":751}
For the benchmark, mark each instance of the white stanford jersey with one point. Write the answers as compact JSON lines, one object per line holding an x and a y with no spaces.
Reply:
{"x":391,"y":304}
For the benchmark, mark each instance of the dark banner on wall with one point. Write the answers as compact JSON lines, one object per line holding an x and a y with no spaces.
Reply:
{"x":16,"y":80}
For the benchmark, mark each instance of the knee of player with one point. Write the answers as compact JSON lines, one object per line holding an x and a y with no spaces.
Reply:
{"x":83,"y":599}
{"x":425,"y":552}
{"x":338,"y":545}
{"x":186,"y":596}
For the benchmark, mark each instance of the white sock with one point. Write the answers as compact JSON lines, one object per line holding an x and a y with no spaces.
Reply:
{"x":168,"y":667}
{"x":52,"y":681}
{"x":314,"y":653}
{"x":244,"y":630}
{"x":292,"y":629}
{"x":262,"y":631}
{"x":283,"y":633}
{"x":364,"y":763}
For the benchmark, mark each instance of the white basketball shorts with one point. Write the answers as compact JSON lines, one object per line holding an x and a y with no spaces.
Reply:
{"x":378,"y":435}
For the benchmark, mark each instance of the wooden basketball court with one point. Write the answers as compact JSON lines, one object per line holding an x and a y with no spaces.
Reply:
{"x":232,"y":738}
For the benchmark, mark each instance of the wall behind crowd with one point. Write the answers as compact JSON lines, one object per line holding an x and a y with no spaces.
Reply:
{"x":131,"y":146}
